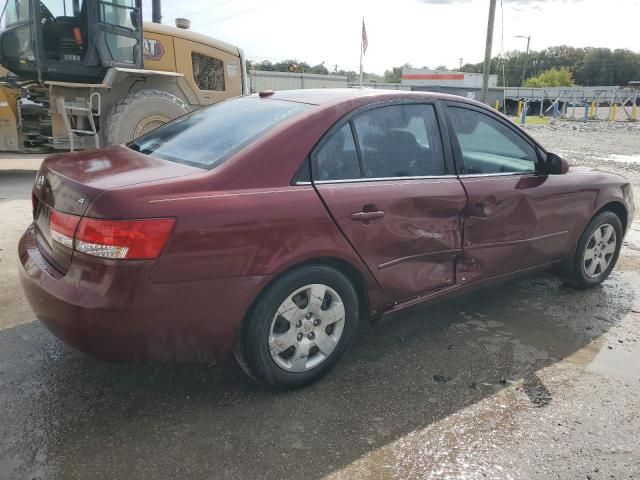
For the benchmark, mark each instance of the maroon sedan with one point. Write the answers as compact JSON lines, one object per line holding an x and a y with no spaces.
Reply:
{"x":268,"y":225}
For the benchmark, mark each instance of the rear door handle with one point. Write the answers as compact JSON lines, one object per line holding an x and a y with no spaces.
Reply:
{"x":366,"y":216}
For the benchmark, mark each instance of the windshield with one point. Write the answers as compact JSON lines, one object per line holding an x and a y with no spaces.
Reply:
{"x":207,"y":137}
{"x":16,"y":11}
{"x":15,"y":42}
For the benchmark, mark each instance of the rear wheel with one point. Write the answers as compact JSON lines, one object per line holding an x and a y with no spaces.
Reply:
{"x":299,"y":328}
{"x":141,"y":112}
{"x":597,"y":251}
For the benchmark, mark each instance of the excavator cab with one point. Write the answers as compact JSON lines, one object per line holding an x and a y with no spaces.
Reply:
{"x":70,"y":40}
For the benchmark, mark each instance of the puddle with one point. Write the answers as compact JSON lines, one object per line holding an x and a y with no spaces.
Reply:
{"x":632,"y":238}
{"x":622,"y":361}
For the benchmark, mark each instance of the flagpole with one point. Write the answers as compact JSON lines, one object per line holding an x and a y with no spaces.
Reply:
{"x":361,"y":52}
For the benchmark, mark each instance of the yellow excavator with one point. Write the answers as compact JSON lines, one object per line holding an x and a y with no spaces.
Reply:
{"x":79,"y":74}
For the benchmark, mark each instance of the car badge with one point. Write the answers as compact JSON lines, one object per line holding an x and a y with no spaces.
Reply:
{"x":81,"y":201}
{"x":40,"y":182}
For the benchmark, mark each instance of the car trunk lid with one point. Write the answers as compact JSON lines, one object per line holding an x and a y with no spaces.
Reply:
{"x":68,"y":183}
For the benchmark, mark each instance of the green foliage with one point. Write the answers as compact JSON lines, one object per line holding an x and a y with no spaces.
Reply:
{"x":395,"y":74}
{"x":302,"y":67}
{"x":589,"y":66}
{"x":554,"y":77}
{"x":283,"y":66}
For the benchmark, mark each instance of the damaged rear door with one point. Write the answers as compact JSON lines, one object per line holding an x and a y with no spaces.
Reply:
{"x":517,"y":216}
{"x":382,"y":175}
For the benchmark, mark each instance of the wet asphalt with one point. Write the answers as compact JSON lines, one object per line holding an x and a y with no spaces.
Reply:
{"x":490,"y":385}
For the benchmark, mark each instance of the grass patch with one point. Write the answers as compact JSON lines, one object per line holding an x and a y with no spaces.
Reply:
{"x":533,"y":120}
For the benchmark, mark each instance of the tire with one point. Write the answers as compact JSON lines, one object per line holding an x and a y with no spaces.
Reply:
{"x":299,"y":347}
{"x":139,"y":113}
{"x":583,"y":272}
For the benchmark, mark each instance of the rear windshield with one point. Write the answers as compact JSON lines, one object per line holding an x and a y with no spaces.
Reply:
{"x":207,"y":137}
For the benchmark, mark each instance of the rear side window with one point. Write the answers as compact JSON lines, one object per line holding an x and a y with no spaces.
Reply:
{"x":337,"y":159}
{"x":207,"y":137}
{"x":208,"y":72}
{"x":489,"y":146}
{"x":400,"y":141}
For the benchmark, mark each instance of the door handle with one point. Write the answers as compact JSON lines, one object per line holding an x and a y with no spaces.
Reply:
{"x":488,"y":202}
{"x":366,"y":216}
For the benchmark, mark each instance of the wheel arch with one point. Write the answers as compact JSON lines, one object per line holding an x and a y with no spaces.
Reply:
{"x":614,"y":206}
{"x":619,"y":209}
{"x":352,"y":273}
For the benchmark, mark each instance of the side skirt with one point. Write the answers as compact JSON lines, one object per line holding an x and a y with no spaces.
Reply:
{"x":455,"y":290}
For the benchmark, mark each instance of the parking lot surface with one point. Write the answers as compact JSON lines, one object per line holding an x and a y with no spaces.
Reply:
{"x":531,"y":379}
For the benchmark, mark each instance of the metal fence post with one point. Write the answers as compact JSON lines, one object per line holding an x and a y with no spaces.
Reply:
{"x":586,"y":112}
{"x":523,"y":119}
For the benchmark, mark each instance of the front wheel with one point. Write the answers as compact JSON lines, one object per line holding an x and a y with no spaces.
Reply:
{"x":597,"y":251}
{"x":299,"y":328}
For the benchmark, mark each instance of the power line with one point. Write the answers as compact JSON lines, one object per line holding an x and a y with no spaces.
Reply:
{"x":210,"y":7}
{"x":237,"y":14}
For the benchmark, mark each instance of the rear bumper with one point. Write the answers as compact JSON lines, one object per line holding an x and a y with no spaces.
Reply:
{"x":112,"y":311}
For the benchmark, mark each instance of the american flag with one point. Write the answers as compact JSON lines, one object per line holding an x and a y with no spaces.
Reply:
{"x":365,"y":41}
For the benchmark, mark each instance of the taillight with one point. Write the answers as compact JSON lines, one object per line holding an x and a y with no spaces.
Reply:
{"x":63,"y":227}
{"x":130,"y":239}
{"x":125,"y":239}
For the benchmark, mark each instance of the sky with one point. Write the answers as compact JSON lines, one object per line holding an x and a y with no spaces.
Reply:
{"x":420,"y":32}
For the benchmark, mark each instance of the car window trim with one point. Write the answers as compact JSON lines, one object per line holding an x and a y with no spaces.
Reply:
{"x":372,"y":106}
{"x":499,"y":174}
{"x":445,"y":138}
{"x":457,"y":149}
{"x":356,"y":140}
{"x":381,"y":179}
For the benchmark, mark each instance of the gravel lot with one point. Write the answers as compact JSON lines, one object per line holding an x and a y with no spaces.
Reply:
{"x":528,"y":380}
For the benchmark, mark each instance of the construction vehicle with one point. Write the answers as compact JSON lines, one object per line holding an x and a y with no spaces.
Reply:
{"x":81,"y":74}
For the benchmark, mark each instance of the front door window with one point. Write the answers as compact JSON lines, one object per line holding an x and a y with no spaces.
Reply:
{"x":488,"y":146}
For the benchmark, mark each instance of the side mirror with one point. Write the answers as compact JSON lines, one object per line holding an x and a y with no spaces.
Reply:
{"x":556,"y":165}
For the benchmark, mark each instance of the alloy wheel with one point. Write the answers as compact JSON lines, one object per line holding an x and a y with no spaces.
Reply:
{"x":306,"y":328}
{"x":599,"y":251}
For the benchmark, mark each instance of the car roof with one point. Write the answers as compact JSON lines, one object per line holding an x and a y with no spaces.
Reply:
{"x":321,"y":96}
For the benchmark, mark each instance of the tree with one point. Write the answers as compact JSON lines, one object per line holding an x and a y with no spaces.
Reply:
{"x":590,"y":66}
{"x":441,"y":68}
{"x":395,"y":74}
{"x":319,"y":69}
{"x":560,"y":77}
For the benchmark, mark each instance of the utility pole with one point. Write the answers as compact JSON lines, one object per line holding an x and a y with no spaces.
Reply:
{"x":487,"y":52}
{"x":526,"y":58}
{"x":461,"y":59}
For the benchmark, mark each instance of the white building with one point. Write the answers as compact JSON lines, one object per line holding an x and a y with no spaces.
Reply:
{"x":423,"y":77}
